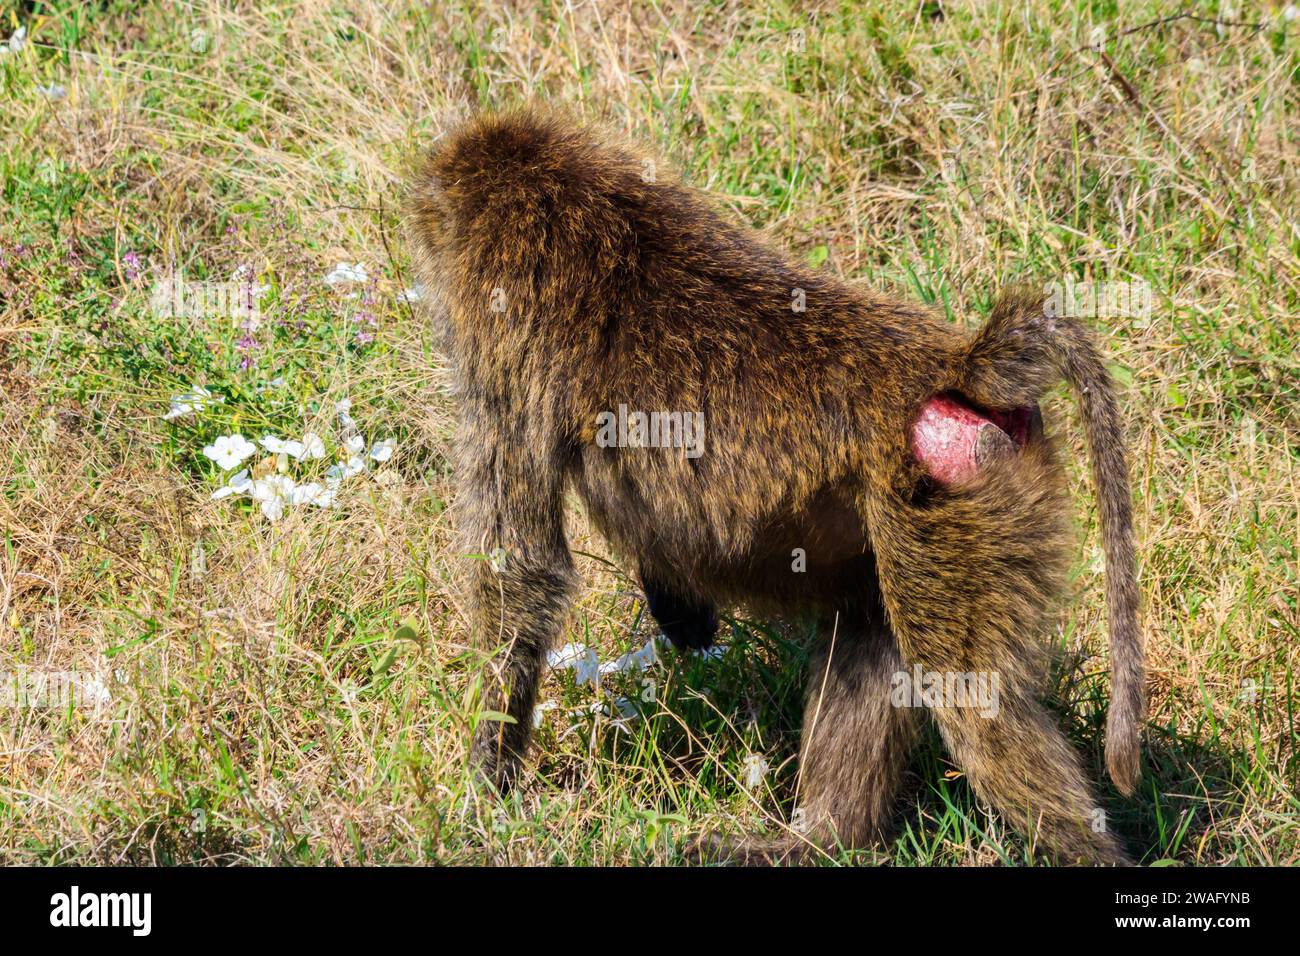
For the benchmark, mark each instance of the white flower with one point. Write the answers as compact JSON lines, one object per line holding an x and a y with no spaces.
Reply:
{"x":312,"y":446}
{"x":540,"y":711}
{"x":381,"y":451}
{"x":580,"y":659}
{"x":273,"y":486}
{"x":229,"y":450}
{"x":347,"y":272}
{"x":264,"y":490}
{"x":1290,"y":12}
{"x":16,"y":42}
{"x":54,"y":91}
{"x":565,"y":656}
{"x":192,"y":401}
{"x":347,"y":421}
{"x":353,"y":466}
{"x":313,"y":493}
{"x":91,"y":691}
{"x":278,"y":446}
{"x":301,"y":494}
{"x":632,"y":660}
{"x":238,"y":484}
{"x":273,"y":492}
{"x":325,"y":498}
{"x":355,"y":445}
{"x":626,"y":707}
{"x":710,"y":653}
{"x":753,"y":769}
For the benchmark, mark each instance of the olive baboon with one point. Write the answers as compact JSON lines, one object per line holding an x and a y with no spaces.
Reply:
{"x":568,"y":283}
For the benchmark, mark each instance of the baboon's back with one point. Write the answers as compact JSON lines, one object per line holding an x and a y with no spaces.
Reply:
{"x":563,"y":254}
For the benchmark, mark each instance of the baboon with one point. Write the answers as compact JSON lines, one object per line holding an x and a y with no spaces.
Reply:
{"x":568,"y":281}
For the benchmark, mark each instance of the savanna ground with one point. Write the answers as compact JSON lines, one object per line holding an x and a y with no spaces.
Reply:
{"x":299,"y":691}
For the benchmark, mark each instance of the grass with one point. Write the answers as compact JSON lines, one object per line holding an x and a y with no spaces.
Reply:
{"x":301,"y":691}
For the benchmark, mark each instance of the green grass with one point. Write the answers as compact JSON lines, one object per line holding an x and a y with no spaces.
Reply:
{"x":301,"y":692}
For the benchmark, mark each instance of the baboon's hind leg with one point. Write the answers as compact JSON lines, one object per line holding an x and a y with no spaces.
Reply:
{"x":1022,"y":765}
{"x":855,"y":746}
{"x":856,"y":742}
{"x":968,"y":578}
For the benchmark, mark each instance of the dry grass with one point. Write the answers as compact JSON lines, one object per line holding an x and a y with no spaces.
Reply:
{"x":265,"y":707}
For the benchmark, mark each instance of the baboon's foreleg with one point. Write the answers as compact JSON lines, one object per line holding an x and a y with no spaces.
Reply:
{"x":520,"y":581}
{"x":968,"y":579}
{"x":687,"y":621}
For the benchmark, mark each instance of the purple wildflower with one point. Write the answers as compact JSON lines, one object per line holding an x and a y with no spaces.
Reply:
{"x":133,"y":263}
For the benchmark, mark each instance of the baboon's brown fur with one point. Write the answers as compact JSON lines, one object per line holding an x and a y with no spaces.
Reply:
{"x":569,"y":281}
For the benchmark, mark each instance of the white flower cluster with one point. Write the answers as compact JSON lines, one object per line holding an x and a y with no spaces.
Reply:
{"x":190,"y":402}
{"x":587,"y":669}
{"x":347,"y":272}
{"x":277,"y":491}
{"x":15,"y":44}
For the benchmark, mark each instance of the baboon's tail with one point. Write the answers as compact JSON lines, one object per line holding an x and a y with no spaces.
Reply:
{"x":1019,"y":353}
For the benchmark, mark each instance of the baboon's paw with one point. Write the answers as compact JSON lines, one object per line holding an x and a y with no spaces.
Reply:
{"x":689,"y":623}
